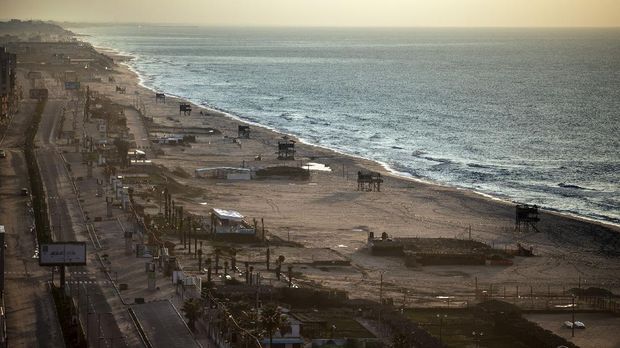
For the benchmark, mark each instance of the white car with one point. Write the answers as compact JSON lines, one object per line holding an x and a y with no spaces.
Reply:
{"x":578,"y":324}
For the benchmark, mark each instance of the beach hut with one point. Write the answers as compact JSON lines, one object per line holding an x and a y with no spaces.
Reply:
{"x":369,"y":181}
{"x":286,"y":149}
{"x":185,"y":108}
{"x":160,"y":97}
{"x":526,"y":216}
{"x":230,"y":223}
{"x":243,"y":132}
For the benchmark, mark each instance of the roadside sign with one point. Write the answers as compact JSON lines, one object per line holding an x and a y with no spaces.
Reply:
{"x":72,"y":85}
{"x":59,"y":254}
{"x":38,"y":93}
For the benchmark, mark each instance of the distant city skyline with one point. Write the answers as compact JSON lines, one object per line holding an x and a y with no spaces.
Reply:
{"x":332,"y":13}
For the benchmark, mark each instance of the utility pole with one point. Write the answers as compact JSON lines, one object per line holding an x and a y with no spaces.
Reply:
{"x":180,"y":218}
{"x":381,"y":289}
{"x":290,"y":276}
{"x":573,"y":326}
{"x":441,"y":327}
{"x":189,"y":234}
{"x":87,"y":318}
{"x":196,"y":240}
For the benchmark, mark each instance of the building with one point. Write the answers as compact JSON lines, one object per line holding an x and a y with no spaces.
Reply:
{"x":8,"y":94}
{"x":229,"y":173}
{"x":169,"y":140}
{"x":136,"y":154}
{"x":288,"y":337}
{"x":230,"y":223}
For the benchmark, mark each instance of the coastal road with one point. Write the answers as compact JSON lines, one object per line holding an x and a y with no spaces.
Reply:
{"x":68,"y":225}
{"x":59,"y":191}
{"x":31,"y":316}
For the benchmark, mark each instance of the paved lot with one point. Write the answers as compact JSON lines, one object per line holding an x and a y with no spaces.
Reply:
{"x":602,"y":330}
{"x":31,"y":316}
{"x":163,"y":325}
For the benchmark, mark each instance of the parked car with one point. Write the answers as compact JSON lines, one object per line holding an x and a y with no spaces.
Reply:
{"x":578,"y":324}
{"x":25,"y":191}
{"x":2,"y":154}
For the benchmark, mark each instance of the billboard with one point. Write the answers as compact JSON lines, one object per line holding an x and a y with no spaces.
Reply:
{"x":2,"y":250}
{"x":58,"y":254}
{"x":72,"y":85}
{"x":38,"y":93}
{"x":35,"y":75}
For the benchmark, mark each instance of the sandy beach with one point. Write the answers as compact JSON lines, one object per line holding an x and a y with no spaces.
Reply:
{"x":176,"y":228}
{"x":327,"y":211}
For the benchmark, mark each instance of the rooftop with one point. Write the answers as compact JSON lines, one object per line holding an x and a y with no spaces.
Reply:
{"x":228,"y":214}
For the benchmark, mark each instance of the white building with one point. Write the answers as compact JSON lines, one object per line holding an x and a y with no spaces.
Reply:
{"x":230,"y":223}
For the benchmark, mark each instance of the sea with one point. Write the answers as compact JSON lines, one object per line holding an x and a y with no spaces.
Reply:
{"x":525,"y":115}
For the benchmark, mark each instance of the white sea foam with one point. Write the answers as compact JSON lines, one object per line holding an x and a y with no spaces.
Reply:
{"x":390,"y":97}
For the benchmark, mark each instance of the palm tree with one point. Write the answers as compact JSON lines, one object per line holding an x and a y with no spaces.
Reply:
{"x":399,"y":341}
{"x":272,"y":320}
{"x":279,"y":262}
{"x":193,"y":311}
{"x":217,"y":260}
{"x":122,"y":147}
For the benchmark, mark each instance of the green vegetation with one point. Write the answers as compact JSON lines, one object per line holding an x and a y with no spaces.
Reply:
{"x":122,"y":147}
{"x":71,"y":331}
{"x":346,"y":326}
{"x":272,"y":320}
{"x":496,"y":324}
{"x":458,"y":326}
{"x":39,"y":203}
{"x":193,"y":311}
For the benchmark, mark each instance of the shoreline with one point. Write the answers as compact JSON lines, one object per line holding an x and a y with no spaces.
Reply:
{"x":388,"y":170}
{"x":327,"y":213}
{"x":318,"y":223}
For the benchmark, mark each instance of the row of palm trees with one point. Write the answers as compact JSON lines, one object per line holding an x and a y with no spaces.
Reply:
{"x":270,"y":318}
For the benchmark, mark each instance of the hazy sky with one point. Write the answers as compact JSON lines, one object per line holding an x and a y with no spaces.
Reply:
{"x":325,"y":12}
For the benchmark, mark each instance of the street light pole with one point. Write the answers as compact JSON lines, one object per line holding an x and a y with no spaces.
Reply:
{"x":87,"y":318}
{"x":573,"y":326}
{"x":381,"y":289}
{"x":441,"y":327}
{"x":477,"y":337}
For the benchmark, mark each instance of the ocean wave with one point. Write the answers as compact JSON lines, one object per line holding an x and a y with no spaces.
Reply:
{"x":571,"y":186}
{"x":381,"y":129}
{"x":476,"y":165}
{"x":436,"y":159}
{"x":287,"y":116}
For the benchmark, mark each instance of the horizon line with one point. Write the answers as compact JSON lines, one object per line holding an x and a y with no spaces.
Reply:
{"x":180,"y":24}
